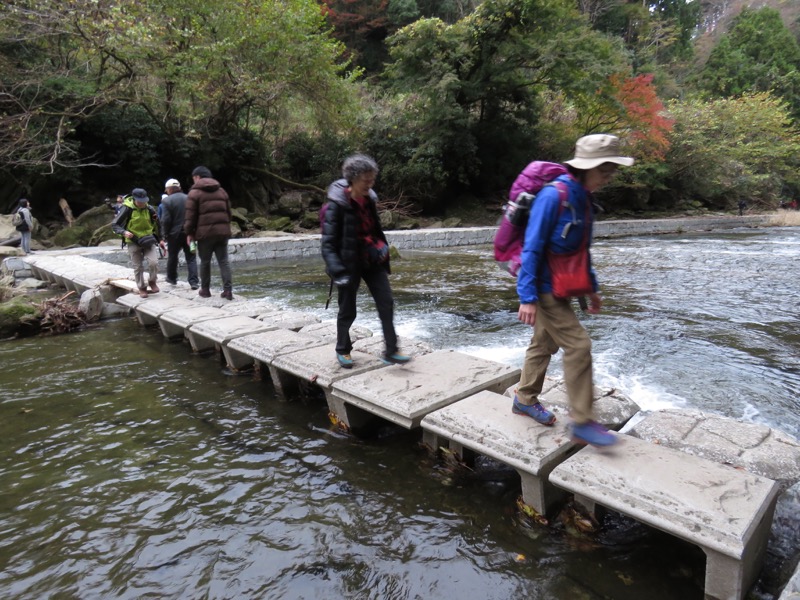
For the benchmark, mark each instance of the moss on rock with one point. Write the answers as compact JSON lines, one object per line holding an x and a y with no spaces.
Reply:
{"x":18,"y":315}
{"x":280,"y":224}
{"x":77,"y":235}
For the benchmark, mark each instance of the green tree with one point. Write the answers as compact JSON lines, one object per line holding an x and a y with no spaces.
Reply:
{"x":477,"y":84}
{"x":656,"y":32}
{"x":728,"y":149}
{"x":759,"y":53}
{"x":199,"y":69}
{"x":402,"y":12}
{"x":448,"y":11}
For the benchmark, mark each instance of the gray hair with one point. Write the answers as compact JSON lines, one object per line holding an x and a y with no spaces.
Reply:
{"x":356,"y":165}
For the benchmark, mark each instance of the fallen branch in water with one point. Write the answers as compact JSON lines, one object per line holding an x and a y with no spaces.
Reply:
{"x":60,"y":315}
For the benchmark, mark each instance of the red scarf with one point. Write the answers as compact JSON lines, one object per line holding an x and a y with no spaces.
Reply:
{"x":370,"y":243}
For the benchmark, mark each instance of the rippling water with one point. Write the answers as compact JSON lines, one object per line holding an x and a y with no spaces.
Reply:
{"x":131,"y":468}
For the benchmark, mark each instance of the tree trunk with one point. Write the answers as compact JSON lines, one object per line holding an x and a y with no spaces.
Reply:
{"x":64,"y":205}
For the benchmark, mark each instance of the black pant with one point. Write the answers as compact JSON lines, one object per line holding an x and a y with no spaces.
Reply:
{"x":175,"y":244}
{"x":214,"y":246}
{"x":377,"y":281}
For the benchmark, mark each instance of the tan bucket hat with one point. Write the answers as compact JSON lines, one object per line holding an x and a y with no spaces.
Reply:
{"x":596,"y":149}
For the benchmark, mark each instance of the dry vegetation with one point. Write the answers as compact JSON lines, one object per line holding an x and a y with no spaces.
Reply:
{"x":786,"y":218}
{"x":60,"y":315}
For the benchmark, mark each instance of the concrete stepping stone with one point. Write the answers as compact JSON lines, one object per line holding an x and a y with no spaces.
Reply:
{"x":376,"y":345}
{"x":189,"y":294}
{"x":405,"y":394}
{"x":754,"y":447}
{"x":250,"y":308}
{"x":727,"y":512}
{"x":155,"y":305}
{"x":131,"y":300}
{"x":76,"y":272}
{"x":318,"y":365}
{"x":218,"y":332}
{"x":185,"y":292}
{"x":485,"y":424}
{"x":266,"y":347}
{"x":174,"y":323}
{"x":294,"y":320}
{"x":327,"y":331}
{"x":611,"y":407}
{"x":124,"y":283}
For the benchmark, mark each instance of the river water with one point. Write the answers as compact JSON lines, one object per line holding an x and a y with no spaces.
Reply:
{"x":132,"y":468}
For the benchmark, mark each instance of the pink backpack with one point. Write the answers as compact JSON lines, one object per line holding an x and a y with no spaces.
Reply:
{"x":510,"y":236}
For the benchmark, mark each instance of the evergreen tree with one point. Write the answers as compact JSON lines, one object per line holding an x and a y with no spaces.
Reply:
{"x":759,"y":53}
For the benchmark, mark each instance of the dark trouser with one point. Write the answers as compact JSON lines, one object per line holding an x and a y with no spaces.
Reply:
{"x":177,"y":243}
{"x":216,"y":246}
{"x":377,"y":281}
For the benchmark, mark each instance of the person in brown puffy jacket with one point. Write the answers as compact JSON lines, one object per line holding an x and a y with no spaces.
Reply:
{"x":208,"y":222}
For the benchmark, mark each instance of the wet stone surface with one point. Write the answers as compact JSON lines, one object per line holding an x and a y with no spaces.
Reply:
{"x":757,"y":448}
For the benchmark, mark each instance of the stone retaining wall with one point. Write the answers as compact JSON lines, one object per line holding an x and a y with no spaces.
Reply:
{"x":611,"y":229}
{"x":289,"y":246}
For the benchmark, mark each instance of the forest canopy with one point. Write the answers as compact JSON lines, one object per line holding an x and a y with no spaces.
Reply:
{"x":452,"y":97}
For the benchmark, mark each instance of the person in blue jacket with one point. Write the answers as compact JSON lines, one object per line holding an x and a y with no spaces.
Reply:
{"x":560,"y":229}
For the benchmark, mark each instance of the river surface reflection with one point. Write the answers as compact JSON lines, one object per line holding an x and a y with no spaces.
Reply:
{"x":132,"y":468}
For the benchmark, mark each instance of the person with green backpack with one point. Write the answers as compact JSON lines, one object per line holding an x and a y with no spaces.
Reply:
{"x":138,"y":225}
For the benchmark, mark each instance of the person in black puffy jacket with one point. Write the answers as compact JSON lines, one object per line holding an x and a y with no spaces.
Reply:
{"x":354,"y":247}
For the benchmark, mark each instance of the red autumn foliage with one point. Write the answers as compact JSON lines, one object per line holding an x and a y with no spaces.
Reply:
{"x":648,"y":128}
{"x":354,"y":19}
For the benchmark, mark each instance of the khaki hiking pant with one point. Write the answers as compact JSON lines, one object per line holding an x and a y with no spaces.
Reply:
{"x":556,"y":327}
{"x":138,"y":257}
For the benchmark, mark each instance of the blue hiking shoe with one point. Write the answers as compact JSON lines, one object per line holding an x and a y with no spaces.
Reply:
{"x":537,"y":412}
{"x":592,"y":433}
{"x":395,"y":358}
{"x":345,"y":360}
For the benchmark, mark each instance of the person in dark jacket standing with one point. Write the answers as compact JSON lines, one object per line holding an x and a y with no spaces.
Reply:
{"x":208,"y":221}
{"x":354,"y":247}
{"x":173,"y":210}
{"x":25,"y":228}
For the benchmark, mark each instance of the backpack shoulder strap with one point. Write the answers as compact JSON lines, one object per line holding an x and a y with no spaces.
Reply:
{"x":563,"y":202}
{"x":563,"y":195}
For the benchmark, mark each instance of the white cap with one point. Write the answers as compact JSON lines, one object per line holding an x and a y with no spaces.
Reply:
{"x":172,"y":183}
